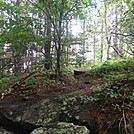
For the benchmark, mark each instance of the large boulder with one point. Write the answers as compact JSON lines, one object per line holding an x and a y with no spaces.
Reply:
{"x":35,"y":110}
{"x":22,"y":115}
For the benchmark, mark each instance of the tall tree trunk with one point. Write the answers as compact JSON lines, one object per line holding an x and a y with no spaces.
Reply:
{"x":67,"y":43}
{"x":115,"y":38}
{"x":47,"y":47}
{"x":102,"y":42}
{"x":84,"y":43}
{"x":94,"y":37}
{"x":58,"y":69}
{"x":121,"y":46}
{"x":108,"y":38}
{"x":17,"y":64}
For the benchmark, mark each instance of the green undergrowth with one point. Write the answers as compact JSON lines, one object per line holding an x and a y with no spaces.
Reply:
{"x":114,"y":70}
{"x":119,"y":99}
{"x":34,"y":80}
{"x":117,"y":86}
{"x":7,"y":81}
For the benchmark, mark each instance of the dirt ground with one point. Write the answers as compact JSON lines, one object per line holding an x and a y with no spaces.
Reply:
{"x":105,"y":116}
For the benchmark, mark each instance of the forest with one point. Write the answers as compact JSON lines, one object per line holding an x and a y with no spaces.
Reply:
{"x":70,"y":60}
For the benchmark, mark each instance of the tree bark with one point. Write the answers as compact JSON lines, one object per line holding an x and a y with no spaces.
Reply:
{"x":108,"y":38}
{"x":115,"y":37}
{"x":94,"y":37}
{"x":102,"y":42}
{"x":47,"y":47}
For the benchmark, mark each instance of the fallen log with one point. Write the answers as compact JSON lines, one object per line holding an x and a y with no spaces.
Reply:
{"x":77,"y":72}
{"x":22,"y":81}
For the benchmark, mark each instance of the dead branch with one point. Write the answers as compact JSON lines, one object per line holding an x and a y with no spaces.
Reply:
{"x":126,"y":35}
{"x":22,"y":81}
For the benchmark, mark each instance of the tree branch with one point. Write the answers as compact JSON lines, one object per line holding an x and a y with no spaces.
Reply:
{"x":117,"y":51}
{"x":126,"y":35}
{"x":69,"y":11}
{"x":47,"y":14}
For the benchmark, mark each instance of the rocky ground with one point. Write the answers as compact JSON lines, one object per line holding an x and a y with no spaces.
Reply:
{"x":62,"y":108}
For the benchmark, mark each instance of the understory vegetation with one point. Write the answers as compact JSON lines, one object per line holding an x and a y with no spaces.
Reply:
{"x":112,"y":96}
{"x":117,"y":84}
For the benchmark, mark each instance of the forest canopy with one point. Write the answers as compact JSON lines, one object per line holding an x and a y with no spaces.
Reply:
{"x":62,"y":34}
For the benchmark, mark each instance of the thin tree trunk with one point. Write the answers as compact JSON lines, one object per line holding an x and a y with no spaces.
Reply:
{"x":94,"y":37}
{"x":102,"y":43}
{"x":58,"y":69}
{"x":115,"y":38}
{"x":84,"y":43}
{"x":47,"y":47}
{"x":108,"y":39}
{"x":121,"y":46}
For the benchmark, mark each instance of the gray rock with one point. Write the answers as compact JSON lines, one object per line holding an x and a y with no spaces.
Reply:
{"x":62,"y":128}
{"x":3,"y":131}
{"x":38,"y":112}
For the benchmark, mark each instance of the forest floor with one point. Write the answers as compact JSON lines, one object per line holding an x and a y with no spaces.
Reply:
{"x":105,"y":114}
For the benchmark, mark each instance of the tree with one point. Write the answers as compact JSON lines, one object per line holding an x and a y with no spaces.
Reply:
{"x":108,"y":37}
{"x":57,"y":12}
{"x":17,"y":34}
{"x":124,"y":26}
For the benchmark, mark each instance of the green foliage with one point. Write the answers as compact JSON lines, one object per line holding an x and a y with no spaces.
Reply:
{"x":113,"y":91}
{"x":118,"y":98}
{"x":87,"y":99}
{"x":6,"y":82}
{"x":114,"y":70}
{"x":126,"y":21}
{"x":35,"y":80}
